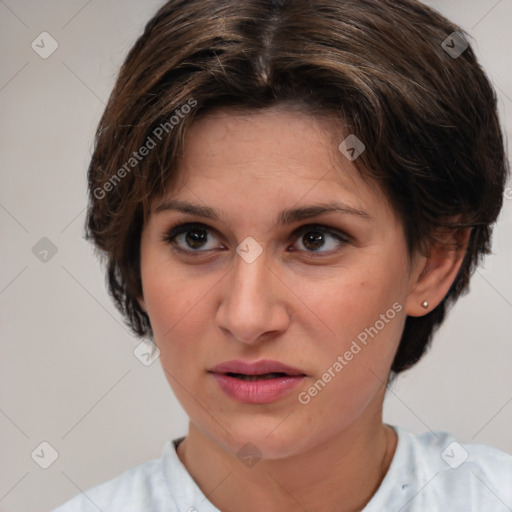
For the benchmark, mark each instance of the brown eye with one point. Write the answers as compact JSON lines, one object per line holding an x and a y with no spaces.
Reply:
{"x":320,"y":239}
{"x":313,"y":241}
{"x":190,"y":237}
{"x":195,"y":238}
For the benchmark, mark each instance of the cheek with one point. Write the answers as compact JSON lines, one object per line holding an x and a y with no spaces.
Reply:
{"x":353,"y":362}
{"x":178,"y":319}
{"x":364,"y":312}
{"x":177,"y":305}
{"x":355,"y":299}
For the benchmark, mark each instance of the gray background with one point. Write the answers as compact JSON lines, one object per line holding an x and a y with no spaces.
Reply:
{"x":68,"y":373}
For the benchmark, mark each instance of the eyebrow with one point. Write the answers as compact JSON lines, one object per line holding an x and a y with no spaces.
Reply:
{"x":287,"y":216}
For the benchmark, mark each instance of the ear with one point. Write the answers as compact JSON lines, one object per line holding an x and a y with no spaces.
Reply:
{"x":434,"y":272}
{"x":142,"y":303}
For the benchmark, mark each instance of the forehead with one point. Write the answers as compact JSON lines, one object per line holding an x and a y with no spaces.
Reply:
{"x":259,"y":141}
{"x":272,"y":154}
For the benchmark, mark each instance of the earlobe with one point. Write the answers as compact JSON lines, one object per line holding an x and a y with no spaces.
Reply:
{"x":435,"y":274}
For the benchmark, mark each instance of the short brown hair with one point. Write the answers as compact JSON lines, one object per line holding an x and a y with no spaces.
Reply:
{"x":428,"y":119}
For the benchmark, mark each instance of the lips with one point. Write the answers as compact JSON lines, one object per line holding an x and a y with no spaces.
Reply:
{"x":262,"y":376}
{"x":264,"y":369}
{"x":261,"y":382}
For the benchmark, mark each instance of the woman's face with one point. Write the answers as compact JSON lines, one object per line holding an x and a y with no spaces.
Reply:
{"x":323,"y":293}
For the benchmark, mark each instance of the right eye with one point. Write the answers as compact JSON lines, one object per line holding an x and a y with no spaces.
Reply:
{"x":189,"y":237}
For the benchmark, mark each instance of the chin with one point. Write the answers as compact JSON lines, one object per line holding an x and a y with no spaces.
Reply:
{"x":263,"y":438}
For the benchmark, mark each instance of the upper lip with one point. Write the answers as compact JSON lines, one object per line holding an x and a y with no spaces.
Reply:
{"x":255,"y":368}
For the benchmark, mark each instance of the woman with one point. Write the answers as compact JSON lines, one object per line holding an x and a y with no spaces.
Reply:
{"x":289,"y":195}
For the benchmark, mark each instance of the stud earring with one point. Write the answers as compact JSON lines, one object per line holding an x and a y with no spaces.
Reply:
{"x":425,"y":304}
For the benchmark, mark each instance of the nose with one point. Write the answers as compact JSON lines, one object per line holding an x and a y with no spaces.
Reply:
{"x":253,"y":306}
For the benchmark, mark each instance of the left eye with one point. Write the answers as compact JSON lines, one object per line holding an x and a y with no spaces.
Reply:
{"x":195,"y":238}
{"x":314,"y":238}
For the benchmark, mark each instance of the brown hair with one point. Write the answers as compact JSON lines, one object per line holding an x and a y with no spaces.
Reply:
{"x":428,"y":119}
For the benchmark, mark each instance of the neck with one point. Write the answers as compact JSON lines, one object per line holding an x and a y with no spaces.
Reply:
{"x":340,"y":474}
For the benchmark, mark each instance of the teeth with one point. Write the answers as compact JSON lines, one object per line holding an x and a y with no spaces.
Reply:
{"x":242,"y":376}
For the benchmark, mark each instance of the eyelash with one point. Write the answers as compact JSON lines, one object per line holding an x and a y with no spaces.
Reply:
{"x":179,"y":229}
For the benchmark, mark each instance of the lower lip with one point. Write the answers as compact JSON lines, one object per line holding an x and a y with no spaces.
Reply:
{"x":261,"y":391}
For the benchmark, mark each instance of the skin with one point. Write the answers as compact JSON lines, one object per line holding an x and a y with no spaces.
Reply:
{"x":292,"y":304}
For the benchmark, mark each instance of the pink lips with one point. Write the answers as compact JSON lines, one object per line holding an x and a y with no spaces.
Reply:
{"x":270,"y":380}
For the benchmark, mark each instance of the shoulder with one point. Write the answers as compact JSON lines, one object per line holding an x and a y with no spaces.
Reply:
{"x":142,"y":487}
{"x":463,"y":476}
{"x":442,"y":452}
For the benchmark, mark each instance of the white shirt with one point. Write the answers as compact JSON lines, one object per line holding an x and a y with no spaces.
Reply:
{"x":429,"y":472}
